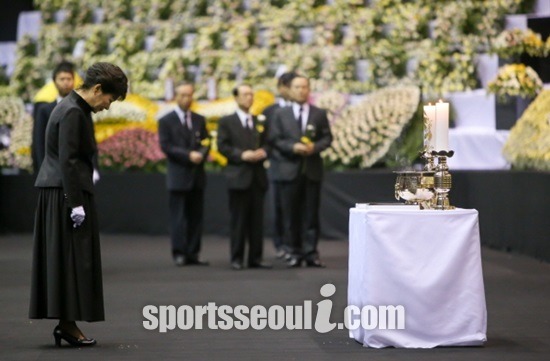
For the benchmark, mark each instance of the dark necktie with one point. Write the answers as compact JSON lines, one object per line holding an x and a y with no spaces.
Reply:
{"x":300,"y":118}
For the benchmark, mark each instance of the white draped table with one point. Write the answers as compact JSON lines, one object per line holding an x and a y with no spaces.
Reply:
{"x":427,"y":261}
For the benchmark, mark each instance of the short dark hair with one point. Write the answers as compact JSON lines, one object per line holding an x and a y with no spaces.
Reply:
{"x":111,"y":78}
{"x":286,"y":78}
{"x":63,"y":67}
{"x":236,"y":89}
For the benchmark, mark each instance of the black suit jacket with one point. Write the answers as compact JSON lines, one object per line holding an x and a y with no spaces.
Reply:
{"x":177,"y":141}
{"x":284,"y":132}
{"x":270,"y":111}
{"x":42,"y":112}
{"x":233,"y":140}
{"x":70,"y":148}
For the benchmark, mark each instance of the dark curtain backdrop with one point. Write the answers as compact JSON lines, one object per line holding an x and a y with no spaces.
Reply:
{"x":9,"y":14}
{"x":513,"y":206}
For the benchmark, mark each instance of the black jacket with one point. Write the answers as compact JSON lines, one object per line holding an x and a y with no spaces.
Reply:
{"x":70,"y":148}
{"x":233,"y":140}
{"x":177,"y":141}
{"x":284,"y":132}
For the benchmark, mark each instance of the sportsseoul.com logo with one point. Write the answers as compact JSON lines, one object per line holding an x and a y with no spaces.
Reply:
{"x":295,"y":317}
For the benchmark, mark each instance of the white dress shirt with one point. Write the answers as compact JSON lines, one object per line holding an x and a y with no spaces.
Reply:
{"x":246,"y":118}
{"x":305,"y":114}
{"x":185,"y":117}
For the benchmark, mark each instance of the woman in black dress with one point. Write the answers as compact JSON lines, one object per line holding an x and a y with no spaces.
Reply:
{"x":66,"y":276}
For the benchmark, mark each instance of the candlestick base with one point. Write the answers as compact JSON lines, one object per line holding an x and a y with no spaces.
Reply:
{"x":442,"y":180}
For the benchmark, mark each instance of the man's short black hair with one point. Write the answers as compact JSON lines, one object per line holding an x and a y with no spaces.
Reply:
{"x":63,"y":67}
{"x":286,"y":78}
{"x":236,"y":89}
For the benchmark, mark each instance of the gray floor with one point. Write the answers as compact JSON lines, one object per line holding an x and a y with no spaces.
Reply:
{"x":138,"y":272}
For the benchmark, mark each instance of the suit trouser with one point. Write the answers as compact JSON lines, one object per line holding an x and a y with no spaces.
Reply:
{"x":246,"y":222}
{"x":300,"y":201}
{"x":277,"y":212}
{"x":186,"y":218}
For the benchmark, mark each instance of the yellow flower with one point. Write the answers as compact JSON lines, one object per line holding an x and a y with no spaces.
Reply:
{"x":205,"y":142}
{"x":305,"y":140}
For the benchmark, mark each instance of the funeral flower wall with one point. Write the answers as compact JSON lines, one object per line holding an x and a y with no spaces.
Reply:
{"x":376,"y":41}
{"x":347,"y":47}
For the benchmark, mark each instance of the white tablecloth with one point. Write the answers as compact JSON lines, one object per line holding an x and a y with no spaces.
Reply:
{"x":477,"y":148}
{"x":427,"y":261}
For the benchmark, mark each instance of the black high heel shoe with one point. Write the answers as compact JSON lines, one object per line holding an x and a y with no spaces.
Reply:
{"x":59,"y":334}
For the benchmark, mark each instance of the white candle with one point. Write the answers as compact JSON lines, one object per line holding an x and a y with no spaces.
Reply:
{"x":441,"y":125}
{"x":429,"y":127}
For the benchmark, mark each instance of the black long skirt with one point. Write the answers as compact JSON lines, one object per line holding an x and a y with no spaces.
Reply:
{"x":66,"y":270}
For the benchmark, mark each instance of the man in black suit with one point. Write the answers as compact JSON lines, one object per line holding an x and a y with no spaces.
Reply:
{"x":184,"y":140}
{"x":63,"y":79}
{"x":241,"y":138}
{"x":298,"y":135}
{"x":283,"y":86}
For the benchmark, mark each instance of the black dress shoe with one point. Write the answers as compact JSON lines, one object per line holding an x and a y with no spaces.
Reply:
{"x":59,"y":334}
{"x":261,"y":265}
{"x":315,"y":263}
{"x":280,"y":253}
{"x":179,"y":260}
{"x":294,"y":262}
{"x":196,"y":262}
{"x":236,"y":266}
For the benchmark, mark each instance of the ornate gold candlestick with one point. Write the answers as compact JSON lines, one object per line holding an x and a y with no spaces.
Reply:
{"x":415,"y":187}
{"x":442,"y":180}
{"x":427,"y":155}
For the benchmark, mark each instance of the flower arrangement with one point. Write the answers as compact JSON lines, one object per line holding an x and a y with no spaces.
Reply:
{"x":114,"y":10}
{"x":389,"y":61}
{"x":56,"y":43}
{"x":515,"y":80}
{"x":534,"y":46}
{"x":11,"y":110}
{"x":78,"y":12}
{"x":96,"y":39}
{"x":528,"y":146}
{"x":28,"y":76}
{"x":47,"y":9}
{"x":514,"y":42}
{"x":19,"y":123}
{"x":365,"y":131}
{"x":168,"y":35}
{"x":333,"y":102}
{"x":133,"y":112}
{"x":406,"y":21}
{"x":132,"y":149}
{"x":120,"y":112}
{"x":128,"y":40}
